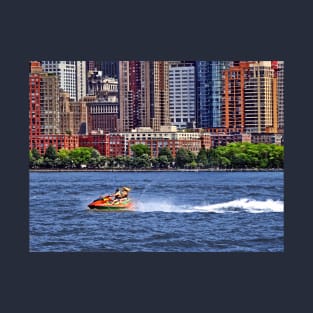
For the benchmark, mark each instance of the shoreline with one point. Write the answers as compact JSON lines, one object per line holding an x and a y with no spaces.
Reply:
{"x":157,"y":170}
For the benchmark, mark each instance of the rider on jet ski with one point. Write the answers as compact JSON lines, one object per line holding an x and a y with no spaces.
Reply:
{"x":121,"y":194}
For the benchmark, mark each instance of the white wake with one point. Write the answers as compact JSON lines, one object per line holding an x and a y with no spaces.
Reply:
{"x":235,"y":206}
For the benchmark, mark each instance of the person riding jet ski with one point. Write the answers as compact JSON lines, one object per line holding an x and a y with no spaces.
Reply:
{"x":121,"y":194}
{"x":124,"y":192}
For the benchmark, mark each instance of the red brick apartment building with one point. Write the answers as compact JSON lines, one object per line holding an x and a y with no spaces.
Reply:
{"x":223,"y":139}
{"x":44,"y":129}
{"x":109,"y":145}
{"x":42,"y":142}
{"x":34,"y":100}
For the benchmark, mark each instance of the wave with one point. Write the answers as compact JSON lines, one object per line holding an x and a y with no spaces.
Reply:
{"x":234,"y":206}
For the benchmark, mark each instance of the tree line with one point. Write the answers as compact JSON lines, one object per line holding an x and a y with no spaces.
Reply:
{"x":231,"y":156}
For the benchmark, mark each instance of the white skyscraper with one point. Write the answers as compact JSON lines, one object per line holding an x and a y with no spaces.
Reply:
{"x":81,"y":79}
{"x":182,"y":94}
{"x":72,"y":76}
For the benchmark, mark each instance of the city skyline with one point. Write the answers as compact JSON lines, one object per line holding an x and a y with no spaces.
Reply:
{"x":220,"y":97}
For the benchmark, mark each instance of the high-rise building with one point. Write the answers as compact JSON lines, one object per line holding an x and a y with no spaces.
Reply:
{"x":280,"y":93}
{"x":90,"y":66}
{"x":233,"y":108}
{"x":108,"y":68}
{"x":209,"y":92}
{"x":46,"y":118}
{"x":261,"y":105}
{"x":143,"y":94}
{"x":182,"y":94}
{"x":81,"y":80}
{"x":101,"y":86}
{"x":44,"y":101}
{"x":50,"y":105}
{"x":103,"y":110}
{"x":102,"y":117}
{"x":34,"y":104}
{"x":72,"y":76}
{"x":134,"y":95}
{"x":73,"y":115}
{"x":254,"y":97}
{"x":159,"y":94}
{"x":202,"y":94}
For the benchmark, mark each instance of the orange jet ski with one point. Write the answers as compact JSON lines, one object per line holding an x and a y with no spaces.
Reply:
{"x":108,"y":204}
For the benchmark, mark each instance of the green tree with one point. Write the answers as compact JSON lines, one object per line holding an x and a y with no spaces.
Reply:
{"x":239,"y":160}
{"x":280,"y":156}
{"x":140,"y":149}
{"x":81,"y":155}
{"x":127,"y":161}
{"x":35,"y":159}
{"x":242,"y":155}
{"x":36,"y":155}
{"x":213,"y":157}
{"x":163,"y":161}
{"x":50,"y":157}
{"x":224,"y":162}
{"x":276,"y":156}
{"x":202,"y":158}
{"x":253,"y":155}
{"x":142,"y":161}
{"x":31,"y":159}
{"x":51,"y":153}
{"x":120,"y":161}
{"x":111,"y":162}
{"x":165,"y":151}
{"x":63,"y":159}
{"x":102,"y":161}
{"x":94,"y":160}
{"x":183,"y":157}
{"x":39,"y":163}
{"x":193,"y":164}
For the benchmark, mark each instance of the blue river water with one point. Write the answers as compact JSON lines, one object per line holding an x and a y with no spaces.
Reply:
{"x":175,"y":212}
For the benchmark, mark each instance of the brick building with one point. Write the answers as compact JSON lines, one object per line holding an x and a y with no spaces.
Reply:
{"x":44,"y":112}
{"x":73,"y":115}
{"x":102,"y":117}
{"x":42,"y":142}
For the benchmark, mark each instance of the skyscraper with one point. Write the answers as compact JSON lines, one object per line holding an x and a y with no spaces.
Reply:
{"x":209,"y":92}
{"x":108,"y":68}
{"x":159,"y":94}
{"x":233,"y":108}
{"x":261,"y":107}
{"x":72,"y":76}
{"x":90,"y":66}
{"x":143,"y":94}
{"x":134,"y":95}
{"x":182,"y":93}
{"x":34,"y":104}
{"x":44,"y":102}
{"x":81,"y":80}
{"x":50,"y":105}
{"x":103,"y":110}
{"x":280,"y":94}
{"x":73,"y":115}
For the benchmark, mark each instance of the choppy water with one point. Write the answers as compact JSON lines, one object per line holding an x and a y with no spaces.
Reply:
{"x":175,"y":212}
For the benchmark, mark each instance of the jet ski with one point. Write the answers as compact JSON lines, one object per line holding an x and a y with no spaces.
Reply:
{"x":108,"y":204}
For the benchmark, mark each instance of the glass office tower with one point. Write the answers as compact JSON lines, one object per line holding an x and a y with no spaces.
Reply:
{"x":209,"y":92}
